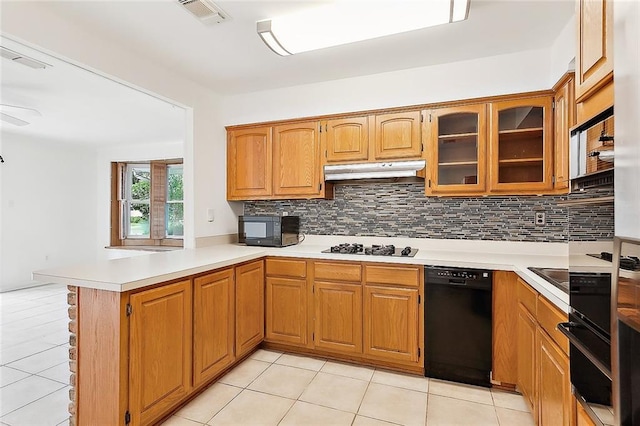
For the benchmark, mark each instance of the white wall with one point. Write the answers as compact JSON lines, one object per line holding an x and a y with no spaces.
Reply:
{"x":48,"y":207}
{"x":205,"y":162}
{"x":626,"y":71}
{"x":504,"y":74}
{"x":563,"y":51}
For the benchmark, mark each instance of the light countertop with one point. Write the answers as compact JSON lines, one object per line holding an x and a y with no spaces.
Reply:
{"x":125,"y":274}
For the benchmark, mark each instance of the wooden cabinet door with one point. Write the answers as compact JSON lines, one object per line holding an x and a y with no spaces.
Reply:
{"x":286,"y":311}
{"x":521,"y":150}
{"x":526,"y":345}
{"x":346,"y":140}
{"x":296,"y":159}
{"x":249,"y":306}
{"x":213,"y":325}
{"x":563,"y":120}
{"x":160,"y":350}
{"x":505,"y":309}
{"x":338,"y":326}
{"x":249,"y":164}
{"x":582,"y":418}
{"x":398,"y":135}
{"x":456,"y":150}
{"x":391,"y":323}
{"x":594,"y":52}
{"x":554,"y":384}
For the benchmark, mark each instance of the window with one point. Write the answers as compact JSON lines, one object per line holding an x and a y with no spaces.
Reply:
{"x":147,"y":205}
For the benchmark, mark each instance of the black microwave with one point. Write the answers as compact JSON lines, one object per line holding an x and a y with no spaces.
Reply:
{"x":269,"y":231}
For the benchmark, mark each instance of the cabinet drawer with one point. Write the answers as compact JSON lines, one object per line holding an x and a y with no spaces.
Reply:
{"x":287,"y":268}
{"x":408,"y":276}
{"x":337,"y":271}
{"x":527,"y":296}
{"x":548,"y":317}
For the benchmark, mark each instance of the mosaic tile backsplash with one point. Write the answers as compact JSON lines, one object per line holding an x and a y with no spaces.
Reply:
{"x":402,"y":210}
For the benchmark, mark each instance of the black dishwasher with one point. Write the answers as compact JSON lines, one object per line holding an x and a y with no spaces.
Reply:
{"x":457,"y":327}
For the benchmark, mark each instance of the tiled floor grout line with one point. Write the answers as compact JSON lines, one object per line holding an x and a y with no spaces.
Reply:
{"x":35,"y":400}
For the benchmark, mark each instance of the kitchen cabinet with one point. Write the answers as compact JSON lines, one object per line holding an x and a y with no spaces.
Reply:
{"x":160,"y":350}
{"x":337,"y":289}
{"x":371,"y":138}
{"x":346,"y":140}
{"x":526,"y":345}
{"x":249,"y":163}
{"x":213,"y":327}
{"x":554,"y":385}
{"x":398,"y":135}
{"x":594,"y":51}
{"x":287,"y":307}
{"x":543,"y":359}
{"x":392,"y":312}
{"x":521,"y":150}
{"x":582,"y":418}
{"x":275,"y":162}
{"x":296,"y":160}
{"x":564,"y":118}
{"x":505,"y":310}
{"x":456,"y":150}
{"x":249,"y":307}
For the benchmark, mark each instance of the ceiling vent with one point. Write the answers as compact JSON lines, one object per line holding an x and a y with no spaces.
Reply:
{"x":22,"y":59}
{"x":205,"y":11}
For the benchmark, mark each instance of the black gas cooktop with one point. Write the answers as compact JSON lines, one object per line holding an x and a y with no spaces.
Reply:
{"x":630,"y":263}
{"x":374,"y":250}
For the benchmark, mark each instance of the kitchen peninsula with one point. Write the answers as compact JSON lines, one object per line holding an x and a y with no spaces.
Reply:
{"x":137,"y":323}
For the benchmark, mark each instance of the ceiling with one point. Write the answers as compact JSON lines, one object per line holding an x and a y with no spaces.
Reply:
{"x":230,"y":57}
{"x":81,"y":107}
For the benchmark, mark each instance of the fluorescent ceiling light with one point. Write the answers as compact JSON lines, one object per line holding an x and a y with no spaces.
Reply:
{"x":348,"y":21}
{"x":18,"y":116}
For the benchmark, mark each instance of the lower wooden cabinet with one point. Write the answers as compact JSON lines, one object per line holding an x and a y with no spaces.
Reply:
{"x":286,"y":311}
{"x":554,"y":384}
{"x":159,"y":350}
{"x":249,"y":306}
{"x":504,"y":370}
{"x":338,"y":317}
{"x":391,"y":323}
{"x":543,"y":360}
{"x":526,"y":345}
{"x":213,"y":328}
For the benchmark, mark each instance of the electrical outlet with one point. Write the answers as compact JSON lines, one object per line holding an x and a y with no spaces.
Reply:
{"x":540,"y":218}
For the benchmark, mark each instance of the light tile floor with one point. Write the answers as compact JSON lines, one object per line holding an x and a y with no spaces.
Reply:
{"x":269,"y":388}
{"x":34,"y":357}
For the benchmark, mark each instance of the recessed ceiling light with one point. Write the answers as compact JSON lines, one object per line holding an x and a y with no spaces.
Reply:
{"x":22,"y":59}
{"x":348,"y":21}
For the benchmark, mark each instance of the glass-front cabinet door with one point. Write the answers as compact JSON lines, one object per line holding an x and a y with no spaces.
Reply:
{"x":456,"y":150}
{"x":521,"y":145}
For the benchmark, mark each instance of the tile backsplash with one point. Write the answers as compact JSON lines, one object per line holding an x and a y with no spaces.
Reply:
{"x":402,"y":210}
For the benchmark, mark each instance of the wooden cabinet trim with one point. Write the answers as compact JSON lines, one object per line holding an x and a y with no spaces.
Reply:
{"x":408,"y":276}
{"x":337,"y":271}
{"x":504,"y":339}
{"x":286,"y":267}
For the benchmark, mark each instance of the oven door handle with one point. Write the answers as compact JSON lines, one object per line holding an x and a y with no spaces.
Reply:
{"x":565,"y":328}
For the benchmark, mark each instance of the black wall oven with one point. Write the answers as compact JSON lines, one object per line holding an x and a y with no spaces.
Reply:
{"x":589,"y":332}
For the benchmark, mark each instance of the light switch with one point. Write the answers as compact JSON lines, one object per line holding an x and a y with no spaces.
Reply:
{"x":210,"y":215}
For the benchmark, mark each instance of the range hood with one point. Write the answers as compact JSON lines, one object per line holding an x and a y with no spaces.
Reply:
{"x":373,"y":170}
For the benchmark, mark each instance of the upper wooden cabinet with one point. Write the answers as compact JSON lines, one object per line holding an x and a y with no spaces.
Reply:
{"x":594,"y":52}
{"x":346,"y":140}
{"x":373,"y":138}
{"x":564,"y":118}
{"x":398,"y":135}
{"x":274,"y":162}
{"x":456,"y":150}
{"x":249,"y":164}
{"x":296,"y":160}
{"x":521,"y":149}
